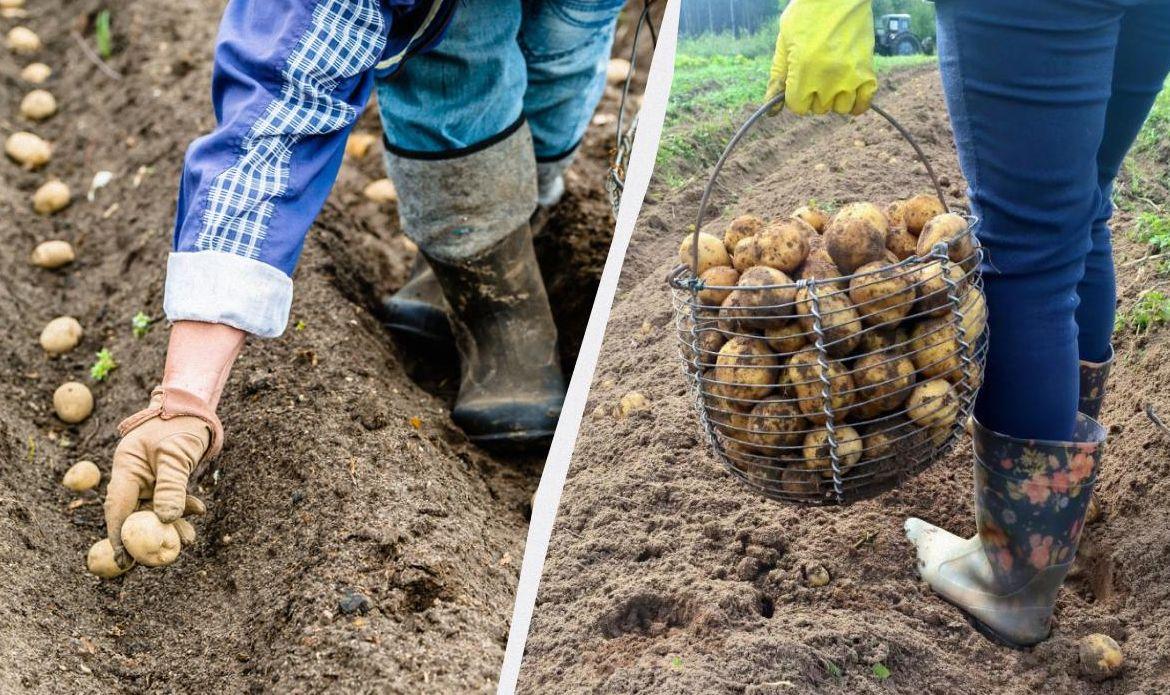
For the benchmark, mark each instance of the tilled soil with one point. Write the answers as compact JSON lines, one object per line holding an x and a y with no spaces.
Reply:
{"x":664,"y":575}
{"x":355,"y":542}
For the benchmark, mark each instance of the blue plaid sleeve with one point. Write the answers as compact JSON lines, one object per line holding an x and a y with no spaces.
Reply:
{"x":290,"y":79}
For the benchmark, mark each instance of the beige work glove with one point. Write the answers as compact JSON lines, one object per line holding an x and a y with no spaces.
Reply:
{"x":163,"y":447}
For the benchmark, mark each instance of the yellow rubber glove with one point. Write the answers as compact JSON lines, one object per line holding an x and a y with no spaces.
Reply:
{"x":824,"y":57}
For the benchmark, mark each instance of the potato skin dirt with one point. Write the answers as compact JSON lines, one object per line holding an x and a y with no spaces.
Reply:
{"x":665,"y":575}
{"x":326,"y":489}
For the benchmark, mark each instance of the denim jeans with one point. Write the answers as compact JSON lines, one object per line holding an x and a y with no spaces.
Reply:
{"x":1046,"y":97}
{"x":500,"y":61}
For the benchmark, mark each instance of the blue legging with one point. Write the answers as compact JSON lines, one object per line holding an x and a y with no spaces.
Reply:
{"x":1046,"y":97}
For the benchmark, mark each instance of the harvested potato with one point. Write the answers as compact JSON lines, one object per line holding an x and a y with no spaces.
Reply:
{"x":935,"y":349}
{"x":840,"y":324}
{"x":757,"y":469}
{"x":890,"y":443}
{"x":23,"y":41}
{"x":53,"y":254}
{"x":632,"y":402}
{"x":766,"y":296}
{"x":149,"y":541}
{"x":708,"y":340}
{"x":786,"y":337}
{"x":721,"y":276}
{"x":775,"y":427}
{"x":901,"y":243}
{"x":38,"y":105}
{"x":53,"y":196}
{"x":895,"y":215}
{"x":28,"y":150}
{"x":61,"y":335}
{"x":883,"y":383}
{"x":741,"y":228}
{"x":72,"y":402}
{"x":819,"y":265}
{"x":36,"y":73}
{"x":813,"y":216}
{"x":882,"y":295}
{"x":934,"y":292}
{"x":82,"y":476}
{"x":933,"y":404}
{"x":863,"y":211}
{"x":919,"y":210}
{"x":617,"y":70}
{"x":746,"y":368}
{"x":974,"y":310}
{"x":100,"y":560}
{"x":381,"y":191}
{"x":818,"y":453}
{"x":711,"y":253}
{"x":952,"y":230}
{"x":1101,"y":657}
{"x":359,"y":143}
{"x":801,"y":483}
{"x":730,"y":416}
{"x":784,"y":244}
{"x":853,"y":242}
{"x":747,"y":254}
{"x":804,"y":374}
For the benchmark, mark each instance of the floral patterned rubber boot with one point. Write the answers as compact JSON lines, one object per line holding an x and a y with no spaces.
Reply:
{"x":1093,"y":378}
{"x":1030,"y":502}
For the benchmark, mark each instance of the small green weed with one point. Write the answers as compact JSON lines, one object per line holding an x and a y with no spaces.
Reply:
{"x":140,"y":324}
{"x":1150,"y":310}
{"x":101,"y":29}
{"x":103,"y":366}
{"x":881,"y":671}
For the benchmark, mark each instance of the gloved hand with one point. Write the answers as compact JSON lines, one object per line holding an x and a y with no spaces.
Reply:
{"x":824,"y":57}
{"x":160,"y":450}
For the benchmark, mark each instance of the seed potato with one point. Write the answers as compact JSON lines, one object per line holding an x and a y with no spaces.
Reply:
{"x":818,"y":452}
{"x":38,"y":105}
{"x":840,"y":323}
{"x":28,"y":150}
{"x":53,"y":196}
{"x":36,"y":73}
{"x":883,"y":383}
{"x":804,"y":374}
{"x":882,"y":295}
{"x":711,"y":253}
{"x":716,"y":277}
{"x":933,"y":404}
{"x":82,"y":476}
{"x":741,"y":228}
{"x":53,"y":254}
{"x":149,"y":541}
{"x":61,"y":335}
{"x":23,"y":41}
{"x":919,"y":210}
{"x":100,"y":560}
{"x":745,"y":367}
{"x":853,"y":242}
{"x":1100,"y":656}
{"x":73,"y":402}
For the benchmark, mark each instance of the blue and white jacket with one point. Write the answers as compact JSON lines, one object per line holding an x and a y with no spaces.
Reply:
{"x":291,"y":77}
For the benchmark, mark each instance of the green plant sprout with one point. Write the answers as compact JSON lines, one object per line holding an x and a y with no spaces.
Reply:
{"x":105,"y":45}
{"x":1151,"y":309}
{"x":140,"y":324}
{"x":103,"y":366}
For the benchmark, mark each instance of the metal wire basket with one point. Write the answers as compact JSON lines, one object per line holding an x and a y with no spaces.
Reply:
{"x":828,"y":390}
{"x":615,"y":182}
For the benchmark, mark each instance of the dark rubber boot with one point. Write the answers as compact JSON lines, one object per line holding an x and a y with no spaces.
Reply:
{"x":469,"y":214}
{"x":1093,"y":378}
{"x":1031,"y":498}
{"x":417,"y":314}
{"x":512,"y":388}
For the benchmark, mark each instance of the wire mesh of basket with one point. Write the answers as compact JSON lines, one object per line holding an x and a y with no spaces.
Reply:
{"x":615,"y":182}
{"x":829,"y":388}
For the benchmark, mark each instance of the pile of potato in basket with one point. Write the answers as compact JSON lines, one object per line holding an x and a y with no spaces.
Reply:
{"x":833,"y":354}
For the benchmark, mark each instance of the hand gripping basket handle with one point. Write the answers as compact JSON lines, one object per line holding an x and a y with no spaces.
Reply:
{"x":747,"y":126}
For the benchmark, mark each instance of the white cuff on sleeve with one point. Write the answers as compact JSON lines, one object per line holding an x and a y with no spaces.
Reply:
{"x":217,"y":287}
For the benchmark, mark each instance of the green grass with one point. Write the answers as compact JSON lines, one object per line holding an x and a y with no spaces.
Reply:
{"x":1152,"y":309}
{"x":717,"y":77}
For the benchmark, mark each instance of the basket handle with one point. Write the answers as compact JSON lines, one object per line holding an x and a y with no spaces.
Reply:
{"x":644,"y":19}
{"x":747,"y":126}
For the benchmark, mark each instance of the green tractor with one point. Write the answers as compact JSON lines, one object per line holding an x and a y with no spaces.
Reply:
{"x":892,"y":37}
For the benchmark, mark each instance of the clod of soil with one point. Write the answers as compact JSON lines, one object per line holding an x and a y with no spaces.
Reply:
{"x":100,"y":560}
{"x":38,"y":105}
{"x":1101,"y":657}
{"x":53,"y":196}
{"x":52,"y":254}
{"x":817,"y":576}
{"x":61,"y":335}
{"x":82,"y":476}
{"x":73,"y":402}
{"x":28,"y":150}
{"x":23,"y":41}
{"x":36,"y":73}
{"x":149,"y":541}
{"x":381,"y":192}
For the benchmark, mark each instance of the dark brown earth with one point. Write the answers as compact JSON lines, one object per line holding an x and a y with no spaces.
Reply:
{"x":340,"y":476}
{"x":665,"y":576}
